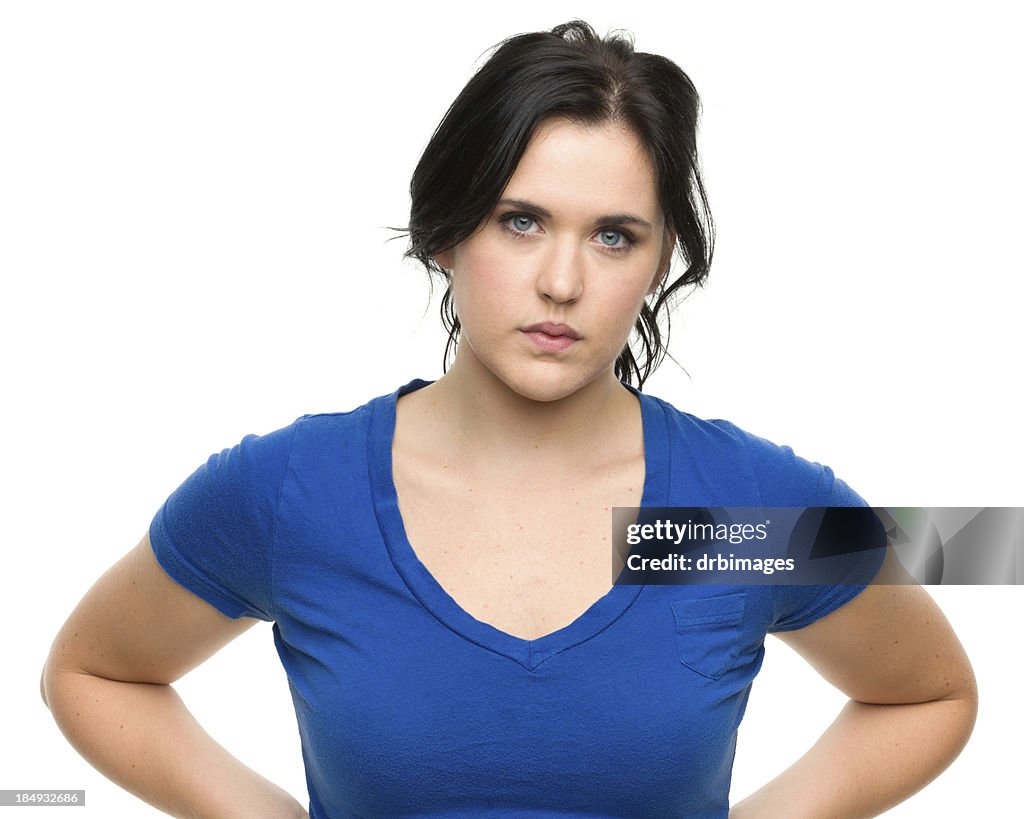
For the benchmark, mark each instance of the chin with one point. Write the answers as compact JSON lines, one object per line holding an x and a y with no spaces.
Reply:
{"x":535,"y":379}
{"x":547,"y":383}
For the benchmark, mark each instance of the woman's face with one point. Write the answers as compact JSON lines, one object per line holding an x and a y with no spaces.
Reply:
{"x":549,"y":286}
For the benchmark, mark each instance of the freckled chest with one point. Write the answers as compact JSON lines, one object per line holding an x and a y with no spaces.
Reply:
{"x":527,"y":557}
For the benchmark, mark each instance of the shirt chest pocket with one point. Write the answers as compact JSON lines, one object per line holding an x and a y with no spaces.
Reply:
{"x":709,"y":632}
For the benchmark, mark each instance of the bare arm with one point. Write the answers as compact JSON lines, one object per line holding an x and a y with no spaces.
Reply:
{"x":913,"y":702}
{"x":107,"y":683}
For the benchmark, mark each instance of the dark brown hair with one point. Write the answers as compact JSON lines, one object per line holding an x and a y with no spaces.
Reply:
{"x":568,"y":72}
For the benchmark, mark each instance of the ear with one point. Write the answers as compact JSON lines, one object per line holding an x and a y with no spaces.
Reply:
{"x":664,"y":262}
{"x":445,"y":259}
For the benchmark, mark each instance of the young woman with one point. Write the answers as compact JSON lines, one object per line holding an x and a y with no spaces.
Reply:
{"x":436,"y":561}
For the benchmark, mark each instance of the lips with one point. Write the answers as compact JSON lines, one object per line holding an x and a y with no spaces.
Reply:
{"x":550,"y":337}
{"x":550,"y":329}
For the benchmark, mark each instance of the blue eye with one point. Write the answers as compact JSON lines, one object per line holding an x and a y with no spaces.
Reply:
{"x":610,"y":238}
{"x":519,"y":225}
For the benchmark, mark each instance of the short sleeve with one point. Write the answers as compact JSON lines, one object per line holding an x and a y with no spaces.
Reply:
{"x":786,"y":479}
{"x":215,"y":534}
{"x":797,"y":606}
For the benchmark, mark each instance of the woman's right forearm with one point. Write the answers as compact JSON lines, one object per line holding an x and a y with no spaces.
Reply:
{"x":144,"y":738}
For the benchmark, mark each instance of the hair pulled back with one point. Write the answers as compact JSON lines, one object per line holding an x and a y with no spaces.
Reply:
{"x":573,"y":73}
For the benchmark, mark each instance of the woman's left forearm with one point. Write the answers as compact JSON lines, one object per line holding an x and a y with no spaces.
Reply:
{"x":871,"y":758}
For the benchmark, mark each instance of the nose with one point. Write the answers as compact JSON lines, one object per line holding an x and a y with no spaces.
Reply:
{"x":560,"y":277}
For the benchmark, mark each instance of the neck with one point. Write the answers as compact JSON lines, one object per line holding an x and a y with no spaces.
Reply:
{"x":482,"y":415}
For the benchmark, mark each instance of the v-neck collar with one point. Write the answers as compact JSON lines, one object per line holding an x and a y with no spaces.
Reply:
{"x":528,"y":653}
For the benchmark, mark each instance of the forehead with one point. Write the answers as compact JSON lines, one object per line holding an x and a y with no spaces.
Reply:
{"x":579,"y":168}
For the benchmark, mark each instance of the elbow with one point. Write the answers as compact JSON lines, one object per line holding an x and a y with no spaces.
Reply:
{"x":963,"y":698}
{"x":967,"y":716}
{"x":970,"y":698}
{"x":46,"y":685}
{"x":49,"y":684}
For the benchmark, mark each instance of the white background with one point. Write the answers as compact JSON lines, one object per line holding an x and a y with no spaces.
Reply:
{"x":194,"y":202}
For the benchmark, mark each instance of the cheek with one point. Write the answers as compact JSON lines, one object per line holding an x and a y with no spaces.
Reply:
{"x":480,"y":282}
{"x":622,"y":305}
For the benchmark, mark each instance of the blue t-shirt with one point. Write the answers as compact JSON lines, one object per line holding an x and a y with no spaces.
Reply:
{"x":409,"y":706}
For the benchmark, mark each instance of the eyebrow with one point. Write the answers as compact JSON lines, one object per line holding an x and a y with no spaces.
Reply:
{"x":610,"y":219}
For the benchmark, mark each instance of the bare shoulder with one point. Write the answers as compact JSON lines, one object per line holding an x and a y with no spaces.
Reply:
{"x":890,"y":644}
{"x":137,"y":624}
